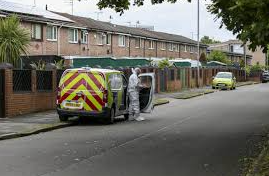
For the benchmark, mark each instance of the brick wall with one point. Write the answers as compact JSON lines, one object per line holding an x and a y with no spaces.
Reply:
{"x":17,"y":103}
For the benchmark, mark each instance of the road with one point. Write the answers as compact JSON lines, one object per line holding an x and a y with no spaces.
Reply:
{"x":203,"y":136}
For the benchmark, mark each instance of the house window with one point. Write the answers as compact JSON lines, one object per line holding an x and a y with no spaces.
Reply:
{"x":84,"y":37}
{"x":176,"y":47}
{"x":122,"y":40}
{"x":170,"y":47}
{"x":137,"y":42}
{"x":163,"y":46}
{"x":191,"y":49}
{"x":101,"y":38}
{"x":151,"y":44}
{"x":108,"y":39}
{"x":73,"y":35}
{"x":185,"y":48}
{"x":36,"y":32}
{"x":52,"y":33}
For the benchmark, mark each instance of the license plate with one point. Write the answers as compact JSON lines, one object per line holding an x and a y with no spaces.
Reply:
{"x":222,"y":85}
{"x":73,"y":105}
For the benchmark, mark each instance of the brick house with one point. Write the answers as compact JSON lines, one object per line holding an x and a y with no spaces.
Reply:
{"x":235,"y":51}
{"x":54,"y":33}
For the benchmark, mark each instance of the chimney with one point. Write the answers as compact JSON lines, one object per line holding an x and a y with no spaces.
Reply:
{"x":46,"y":7}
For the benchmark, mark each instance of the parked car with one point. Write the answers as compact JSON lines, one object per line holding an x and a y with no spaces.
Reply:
{"x":265,"y":76}
{"x":224,"y":80}
{"x":99,"y":93}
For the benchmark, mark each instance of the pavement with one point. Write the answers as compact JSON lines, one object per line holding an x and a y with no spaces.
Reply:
{"x":202,"y":136}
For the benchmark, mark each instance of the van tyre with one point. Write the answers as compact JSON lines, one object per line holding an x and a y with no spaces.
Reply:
{"x":63,"y":118}
{"x":111,"y":116}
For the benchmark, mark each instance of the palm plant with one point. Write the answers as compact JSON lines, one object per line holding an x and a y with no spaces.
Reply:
{"x":14,"y":40}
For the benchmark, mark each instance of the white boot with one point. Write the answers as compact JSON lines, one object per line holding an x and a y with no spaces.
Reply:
{"x":140,"y":119}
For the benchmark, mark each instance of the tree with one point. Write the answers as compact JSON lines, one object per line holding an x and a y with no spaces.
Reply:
{"x":248,"y":19}
{"x":218,"y":56}
{"x":13,"y":40}
{"x":206,"y":40}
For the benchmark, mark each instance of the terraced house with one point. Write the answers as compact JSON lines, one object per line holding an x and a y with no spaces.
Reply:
{"x":54,"y":33}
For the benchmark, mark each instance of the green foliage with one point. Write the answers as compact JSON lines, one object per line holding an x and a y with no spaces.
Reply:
{"x":248,"y":19}
{"x":218,"y":56}
{"x":60,"y":64}
{"x":164,"y":64}
{"x":13,"y":40}
{"x":40,"y":65}
{"x":206,"y":40}
{"x":122,"y":5}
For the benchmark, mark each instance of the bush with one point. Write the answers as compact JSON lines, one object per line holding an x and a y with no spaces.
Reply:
{"x":219,"y":56}
{"x":164,"y":64}
{"x":13,"y":40}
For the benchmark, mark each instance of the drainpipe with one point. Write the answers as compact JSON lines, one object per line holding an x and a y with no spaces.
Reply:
{"x":59,"y":40}
{"x":144,"y":52}
{"x":156,"y":46}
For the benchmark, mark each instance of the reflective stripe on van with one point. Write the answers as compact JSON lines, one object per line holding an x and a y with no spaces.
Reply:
{"x":85,"y":87}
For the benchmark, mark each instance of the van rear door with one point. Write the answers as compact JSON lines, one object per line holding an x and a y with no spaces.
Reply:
{"x":81,"y":90}
{"x":146,"y":94}
{"x":94,"y":96}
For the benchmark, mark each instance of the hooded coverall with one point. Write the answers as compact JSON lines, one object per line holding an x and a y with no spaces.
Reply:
{"x":133,"y":92}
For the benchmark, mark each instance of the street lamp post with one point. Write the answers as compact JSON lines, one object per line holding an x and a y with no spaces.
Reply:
{"x":198,"y":42}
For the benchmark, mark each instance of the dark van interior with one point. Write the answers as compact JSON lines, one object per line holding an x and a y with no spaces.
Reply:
{"x":144,"y":93}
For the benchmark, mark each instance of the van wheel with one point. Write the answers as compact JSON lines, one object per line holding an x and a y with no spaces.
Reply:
{"x":111,"y":118}
{"x":126,"y":116}
{"x":63,"y":118}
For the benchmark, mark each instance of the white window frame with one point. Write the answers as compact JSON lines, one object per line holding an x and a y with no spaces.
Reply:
{"x":108,"y":38}
{"x":75,"y":35}
{"x":121,"y":41}
{"x":139,"y":43}
{"x":177,"y":48}
{"x":170,"y":46}
{"x":84,"y":37}
{"x":151,"y":44}
{"x":191,"y":49}
{"x":33,"y":32}
{"x":163,"y":46}
{"x":53,"y":32}
{"x":185,"y":48}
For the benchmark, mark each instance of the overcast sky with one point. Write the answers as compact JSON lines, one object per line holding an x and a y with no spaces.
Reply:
{"x":179,"y":18}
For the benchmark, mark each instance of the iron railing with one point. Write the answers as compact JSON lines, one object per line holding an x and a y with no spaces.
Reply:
{"x":22,"y":80}
{"x":43,"y":80}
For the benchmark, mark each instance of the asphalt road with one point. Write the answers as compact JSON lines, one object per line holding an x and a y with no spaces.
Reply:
{"x":203,"y":136}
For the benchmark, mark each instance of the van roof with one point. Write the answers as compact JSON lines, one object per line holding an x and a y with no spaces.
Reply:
{"x":96,"y":70}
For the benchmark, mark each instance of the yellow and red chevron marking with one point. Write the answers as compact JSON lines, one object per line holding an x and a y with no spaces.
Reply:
{"x":91,"y":86}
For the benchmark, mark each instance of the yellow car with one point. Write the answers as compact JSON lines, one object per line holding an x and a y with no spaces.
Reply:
{"x":224,"y":80}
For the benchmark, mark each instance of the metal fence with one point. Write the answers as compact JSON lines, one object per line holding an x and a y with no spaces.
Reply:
{"x":44,"y":80}
{"x":22,"y":81}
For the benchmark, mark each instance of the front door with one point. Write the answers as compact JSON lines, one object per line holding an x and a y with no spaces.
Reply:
{"x":147,"y":92}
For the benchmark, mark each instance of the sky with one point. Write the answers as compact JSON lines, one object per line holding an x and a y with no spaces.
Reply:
{"x":179,"y":18}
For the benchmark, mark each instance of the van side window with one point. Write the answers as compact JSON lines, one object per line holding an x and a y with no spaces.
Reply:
{"x":115,"y":82}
